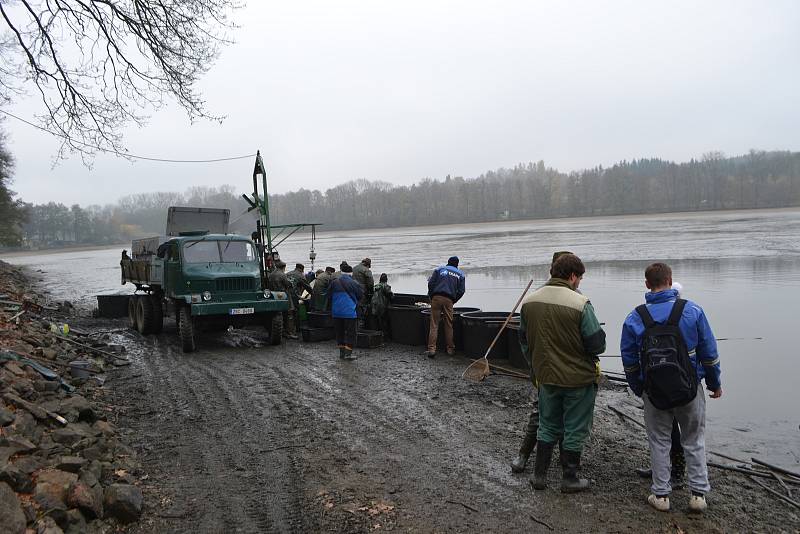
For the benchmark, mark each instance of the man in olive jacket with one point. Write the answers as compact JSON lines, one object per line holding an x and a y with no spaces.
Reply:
{"x":563,"y":339}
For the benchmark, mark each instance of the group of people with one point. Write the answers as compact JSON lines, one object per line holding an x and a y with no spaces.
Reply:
{"x":667,"y":349}
{"x":350,"y":295}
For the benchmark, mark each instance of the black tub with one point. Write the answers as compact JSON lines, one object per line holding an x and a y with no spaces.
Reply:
{"x":320,"y":320}
{"x":458,"y":328}
{"x":515,"y":356}
{"x":112,"y":305}
{"x":406,"y":324}
{"x":480,"y":329}
{"x":409,"y":299}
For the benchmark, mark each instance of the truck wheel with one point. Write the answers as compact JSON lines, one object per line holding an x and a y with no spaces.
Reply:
{"x":187,"y":331}
{"x":144,"y":315}
{"x":158,"y":314}
{"x":276,"y":329}
{"x":132,"y":311}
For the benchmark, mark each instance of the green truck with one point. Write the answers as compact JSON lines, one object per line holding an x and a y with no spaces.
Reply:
{"x":205,"y":278}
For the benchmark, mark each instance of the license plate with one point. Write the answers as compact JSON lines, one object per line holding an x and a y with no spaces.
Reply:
{"x":242,"y":311}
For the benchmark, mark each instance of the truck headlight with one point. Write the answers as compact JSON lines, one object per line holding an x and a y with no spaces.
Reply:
{"x":267,"y":293}
{"x":206,"y":295}
{"x":280,"y":295}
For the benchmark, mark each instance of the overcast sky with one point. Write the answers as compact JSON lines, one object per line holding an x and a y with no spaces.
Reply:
{"x":401,"y":91}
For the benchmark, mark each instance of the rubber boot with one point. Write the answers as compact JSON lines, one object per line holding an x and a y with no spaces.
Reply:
{"x":342,"y":352}
{"x":544,"y":451}
{"x":528,"y":444}
{"x":562,"y":457}
{"x":570,"y":483}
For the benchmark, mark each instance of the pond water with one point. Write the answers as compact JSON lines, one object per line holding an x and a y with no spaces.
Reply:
{"x":742,"y":267}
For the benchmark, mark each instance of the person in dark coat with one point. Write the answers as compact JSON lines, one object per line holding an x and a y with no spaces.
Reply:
{"x":381,"y":298}
{"x":299,"y":284}
{"x":319,"y":293}
{"x":446,"y":286}
{"x":343,"y":296}
{"x":363,"y":275}
{"x":277,"y":281}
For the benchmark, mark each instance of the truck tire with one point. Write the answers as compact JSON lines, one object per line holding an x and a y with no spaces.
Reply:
{"x":132,"y":312}
{"x":144,"y":314}
{"x":276,"y":329}
{"x":186,"y":328}
{"x":158,"y":314}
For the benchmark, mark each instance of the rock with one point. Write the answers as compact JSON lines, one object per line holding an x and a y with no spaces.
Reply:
{"x":12,"y":518}
{"x":6,"y":416}
{"x":49,"y":353}
{"x":87,"y":498}
{"x":93,"y":469}
{"x":15,"y":477}
{"x":71,"y":464}
{"x":26,"y":425}
{"x":15,"y":369}
{"x":47,"y":525}
{"x":17,"y":442}
{"x":33,"y":409}
{"x":75,"y":522}
{"x":97,"y":452}
{"x":104,"y":427}
{"x":76,"y":408}
{"x":66,"y":436}
{"x":123,"y":502}
{"x":51,"y":489}
{"x":29,"y":464}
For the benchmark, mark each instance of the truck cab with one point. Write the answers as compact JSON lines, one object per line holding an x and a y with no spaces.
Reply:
{"x":207,"y":281}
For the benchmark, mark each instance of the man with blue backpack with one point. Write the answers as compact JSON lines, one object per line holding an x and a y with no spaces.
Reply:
{"x":446,"y":286}
{"x":667,"y":349}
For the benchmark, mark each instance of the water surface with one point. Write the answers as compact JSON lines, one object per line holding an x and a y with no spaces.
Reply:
{"x":742,"y":267}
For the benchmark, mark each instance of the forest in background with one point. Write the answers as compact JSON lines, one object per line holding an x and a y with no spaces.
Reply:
{"x":527,"y":191}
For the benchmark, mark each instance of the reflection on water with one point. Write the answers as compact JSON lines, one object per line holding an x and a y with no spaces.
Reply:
{"x":743,"y":268}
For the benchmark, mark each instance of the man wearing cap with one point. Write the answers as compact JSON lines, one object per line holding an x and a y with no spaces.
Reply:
{"x":297,"y":279}
{"x":363,"y":275}
{"x":446,"y":286}
{"x":277,"y":281}
{"x":343,"y":297}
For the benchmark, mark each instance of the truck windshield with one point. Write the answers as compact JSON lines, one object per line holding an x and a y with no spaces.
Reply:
{"x":237,"y":251}
{"x":218,"y":252}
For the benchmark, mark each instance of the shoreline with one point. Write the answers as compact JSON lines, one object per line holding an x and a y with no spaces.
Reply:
{"x":62,"y":250}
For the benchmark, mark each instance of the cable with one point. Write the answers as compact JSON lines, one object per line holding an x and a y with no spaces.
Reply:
{"x":123,"y":154}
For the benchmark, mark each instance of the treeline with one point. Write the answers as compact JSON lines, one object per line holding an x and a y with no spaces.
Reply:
{"x":755,"y":180}
{"x":55,"y":224}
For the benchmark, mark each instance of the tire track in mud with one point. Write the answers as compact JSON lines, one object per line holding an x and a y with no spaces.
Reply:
{"x":359,"y":428}
{"x":389,"y":411}
{"x":285,"y":502}
{"x":231,"y":486}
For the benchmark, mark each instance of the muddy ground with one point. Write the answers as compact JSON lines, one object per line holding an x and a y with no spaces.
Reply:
{"x":244,"y":437}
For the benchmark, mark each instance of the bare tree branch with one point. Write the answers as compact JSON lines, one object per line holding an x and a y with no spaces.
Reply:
{"x":100,"y":65}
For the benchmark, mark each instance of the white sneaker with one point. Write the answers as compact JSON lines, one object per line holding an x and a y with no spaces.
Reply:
{"x":659,"y":503}
{"x":697,"y":504}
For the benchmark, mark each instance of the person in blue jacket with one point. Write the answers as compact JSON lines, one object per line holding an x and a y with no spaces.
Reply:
{"x":446,"y":286}
{"x":691,"y":417}
{"x":344,"y":294}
